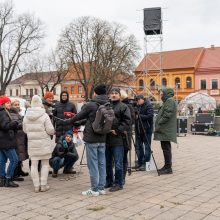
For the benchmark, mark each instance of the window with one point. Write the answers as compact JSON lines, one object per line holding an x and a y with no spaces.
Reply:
{"x":17,"y":92}
{"x":10,"y":92}
{"x":31,"y":92}
{"x":141,"y":84}
{"x":26,"y":92}
{"x":203,"y":84}
{"x":72,"y":89}
{"x":80,"y":90}
{"x":188,"y":82}
{"x":177,"y":82}
{"x":164,"y":82}
{"x":152,"y":84}
{"x":214,"y":84}
{"x":35,"y":91}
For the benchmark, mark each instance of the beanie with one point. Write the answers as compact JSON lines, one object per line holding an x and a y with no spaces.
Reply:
{"x":116,"y":90}
{"x":36,"y":101}
{"x":69,"y":133}
{"x":4,"y":99}
{"x":48,"y":95}
{"x":100,"y":89}
{"x":140,"y":96}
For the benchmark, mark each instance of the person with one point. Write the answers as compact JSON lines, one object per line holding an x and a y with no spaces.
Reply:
{"x":165,"y":128}
{"x":128,"y":134}
{"x":94,"y":142}
{"x":115,"y":144}
{"x":63,"y":110}
{"x":7,"y":144}
{"x":39,"y":129}
{"x":48,"y":103}
{"x":64,"y":154}
{"x":21,"y":140}
{"x":143,"y":131}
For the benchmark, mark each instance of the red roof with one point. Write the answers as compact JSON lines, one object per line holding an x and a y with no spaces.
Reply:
{"x":176,"y":59}
{"x":210,"y":59}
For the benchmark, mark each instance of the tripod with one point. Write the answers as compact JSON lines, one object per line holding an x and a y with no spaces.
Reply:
{"x":81,"y":163}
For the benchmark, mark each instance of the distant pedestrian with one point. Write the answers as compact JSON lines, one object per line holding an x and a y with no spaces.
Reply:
{"x":165,"y":128}
{"x":39,"y":129}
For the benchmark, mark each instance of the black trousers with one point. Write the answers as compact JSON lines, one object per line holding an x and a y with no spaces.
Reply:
{"x":166,"y":147}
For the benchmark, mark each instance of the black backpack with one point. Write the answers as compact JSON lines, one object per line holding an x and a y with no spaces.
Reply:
{"x":103,"y":119}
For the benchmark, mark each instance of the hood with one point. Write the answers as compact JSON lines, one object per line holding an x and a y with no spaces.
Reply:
{"x":167,"y":93}
{"x":101,"y":99}
{"x":62,"y":101}
{"x":34,"y":113}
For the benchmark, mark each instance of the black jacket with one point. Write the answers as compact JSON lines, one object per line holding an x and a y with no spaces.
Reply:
{"x":88,"y":112}
{"x":7,"y":130}
{"x":62,"y":152}
{"x":146,"y":114}
{"x":121,"y":123}
{"x":59,"y":109}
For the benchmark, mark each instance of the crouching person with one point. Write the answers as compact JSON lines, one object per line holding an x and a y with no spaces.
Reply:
{"x":64,"y":155}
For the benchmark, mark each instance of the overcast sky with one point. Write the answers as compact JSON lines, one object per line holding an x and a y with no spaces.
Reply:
{"x":187,"y":23}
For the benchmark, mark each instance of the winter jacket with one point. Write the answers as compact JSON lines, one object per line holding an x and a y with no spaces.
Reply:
{"x":62,"y":152}
{"x":166,"y":122}
{"x":89,"y":112}
{"x":21,"y":137}
{"x":59,"y":109}
{"x":7,"y":130}
{"x":38,"y":127}
{"x":121,"y":124}
{"x":48,"y":107}
{"x":146,"y":114}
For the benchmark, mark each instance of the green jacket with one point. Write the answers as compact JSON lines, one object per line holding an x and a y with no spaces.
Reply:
{"x":165,"y":124}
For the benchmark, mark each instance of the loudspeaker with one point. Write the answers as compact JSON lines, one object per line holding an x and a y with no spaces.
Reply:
{"x":152,"y":21}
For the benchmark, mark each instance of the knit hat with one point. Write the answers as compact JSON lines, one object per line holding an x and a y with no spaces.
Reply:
{"x":140,"y":96}
{"x":48,"y":95}
{"x":36,"y":101}
{"x":4,"y":99}
{"x":116,"y":90}
{"x":69,"y":133}
{"x":100,"y":89}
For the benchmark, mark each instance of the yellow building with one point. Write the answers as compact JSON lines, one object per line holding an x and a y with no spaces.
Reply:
{"x":178,"y":72}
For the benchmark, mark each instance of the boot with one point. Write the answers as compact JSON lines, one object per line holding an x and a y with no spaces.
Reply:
{"x":2,"y":181}
{"x":20,"y":171}
{"x":10,"y":183}
{"x":44,"y":188}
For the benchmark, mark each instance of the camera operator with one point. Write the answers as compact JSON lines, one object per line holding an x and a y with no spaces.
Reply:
{"x":114,"y":142}
{"x":143,"y":131}
{"x":165,"y":128}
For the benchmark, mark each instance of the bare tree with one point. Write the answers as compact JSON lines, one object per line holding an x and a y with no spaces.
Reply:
{"x":100,"y":52}
{"x":19,"y":36}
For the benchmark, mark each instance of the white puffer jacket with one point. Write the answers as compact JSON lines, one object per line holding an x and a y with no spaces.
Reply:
{"x":38,"y":127}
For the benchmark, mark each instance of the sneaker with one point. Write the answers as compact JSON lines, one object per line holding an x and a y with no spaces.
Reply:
{"x":17,"y":178}
{"x":102,"y":192}
{"x":142,"y":168}
{"x":166,"y":171}
{"x":116,"y":188}
{"x":37,"y":189}
{"x":90,"y":192}
{"x":54,"y":174}
{"x":44,"y":188}
{"x":69,"y":172}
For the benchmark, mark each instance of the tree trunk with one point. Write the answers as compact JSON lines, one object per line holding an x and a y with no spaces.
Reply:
{"x":3,"y":90}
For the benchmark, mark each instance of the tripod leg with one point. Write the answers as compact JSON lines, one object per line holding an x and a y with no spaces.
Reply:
{"x":82,"y":155}
{"x":129,"y":167}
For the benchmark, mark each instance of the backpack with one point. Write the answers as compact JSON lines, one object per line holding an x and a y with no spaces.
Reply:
{"x":103,"y":119}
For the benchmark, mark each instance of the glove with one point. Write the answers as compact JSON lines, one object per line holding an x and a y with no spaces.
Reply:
{"x":13,"y":125}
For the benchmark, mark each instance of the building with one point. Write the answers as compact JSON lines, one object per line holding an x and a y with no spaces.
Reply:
{"x":27,"y":85}
{"x":178,"y":72}
{"x":207,"y":76}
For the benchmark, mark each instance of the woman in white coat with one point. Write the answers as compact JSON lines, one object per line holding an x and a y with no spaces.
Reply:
{"x":38,"y":127}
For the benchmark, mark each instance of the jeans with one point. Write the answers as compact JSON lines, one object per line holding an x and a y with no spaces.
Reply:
{"x":42,"y":180}
{"x":13,"y":159}
{"x":166,"y":147}
{"x":143,"y":148}
{"x":115,"y":154}
{"x":95,"y":155}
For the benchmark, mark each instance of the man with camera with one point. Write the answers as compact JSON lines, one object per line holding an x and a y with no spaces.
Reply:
{"x":115,"y":143}
{"x":143,"y":131}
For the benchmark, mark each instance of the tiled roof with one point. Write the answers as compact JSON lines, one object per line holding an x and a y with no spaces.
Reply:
{"x":176,"y":59}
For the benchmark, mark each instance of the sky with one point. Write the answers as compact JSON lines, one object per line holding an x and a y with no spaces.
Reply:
{"x":186,"y":23}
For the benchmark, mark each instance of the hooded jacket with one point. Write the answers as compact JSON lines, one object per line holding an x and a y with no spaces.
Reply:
{"x":59,"y":109}
{"x":166,"y":121}
{"x":88,"y":112}
{"x":38,"y":127}
{"x":7,"y":130}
